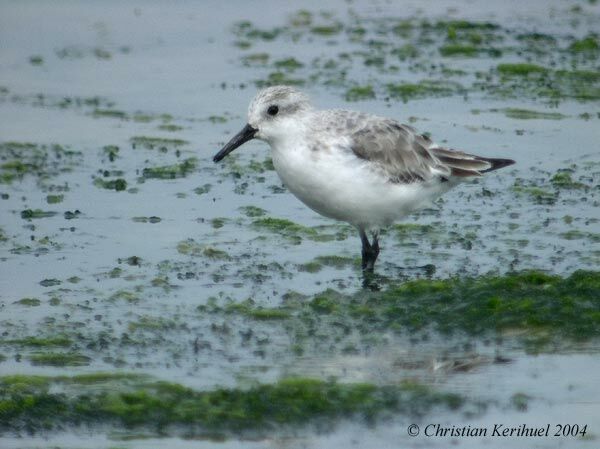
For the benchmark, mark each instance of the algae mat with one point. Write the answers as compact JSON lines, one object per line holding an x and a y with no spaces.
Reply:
{"x":149,"y":297}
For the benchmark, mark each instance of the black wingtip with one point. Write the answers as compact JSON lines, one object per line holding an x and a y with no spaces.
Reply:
{"x":497,"y":163}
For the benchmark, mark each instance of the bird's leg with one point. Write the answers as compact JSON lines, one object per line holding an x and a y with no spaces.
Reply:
{"x":369,"y":251}
{"x":366,"y":248}
{"x":373,"y":253}
{"x":375,"y":246}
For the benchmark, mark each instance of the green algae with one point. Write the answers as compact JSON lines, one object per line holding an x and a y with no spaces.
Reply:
{"x":214,"y":253}
{"x":40,"y":342}
{"x":521,"y":69}
{"x":260,"y":167}
{"x":249,"y":309}
{"x":546,"y":71}
{"x":589,"y":44}
{"x":461,"y":24}
{"x":358,"y":93}
{"x":528,"y":114}
{"x":534,"y":303}
{"x":520,"y":401}
{"x":540,"y":194}
{"x":192,"y":248}
{"x":101,"y":53}
{"x":59,"y":359}
{"x":180,"y":170}
{"x":410,"y":231}
{"x":242,"y":44}
{"x":285,"y":228}
{"x":33,"y":214}
{"x":170,"y":127}
{"x":255,"y":59}
{"x":218,"y":222}
{"x":281,"y":225}
{"x":102,"y":377}
{"x":301,"y":18}
{"x":118,"y":184}
{"x":150,"y":323}
{"x":468,"y":51}
{"x":201,"y":190}
{"x":110,"y":113}
{"x":531,"y":80}
{"x":334,"y":261}
{"x":51,"y":282}
{"x":530,"y":300}
{"x":217,"y":119}
{"x":575,"y":234}
{"x":20,"y":159}
{"x":147,"y":118}
{"x":289,"y":64}
{"x":458,"y":50}
{"x":246,"y":31}
{"x":134,"y":261}
{"x":33,"y":403}
{"x":125,"y":295}
{"x":36,"y":60}
{"x":161,"y":143}
{"x":29,"y":302}
{"x":406,"y":51}
{"x":563,"y":180}
{"x":536,"y":38}
{"x":326,"y":30}
{"x":112,"y":151}
{"x":277,"y":78}
{"x":54,"y":199}
{"x":310,"y":267}
{"x":70,"y":215}
{"x":252,"y":211}
{"x":324,"y":304}
{"x":422,"y":89}
{"x":152,"y":219}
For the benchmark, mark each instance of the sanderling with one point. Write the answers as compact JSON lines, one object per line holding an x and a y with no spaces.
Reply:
{"x":359,"y":168}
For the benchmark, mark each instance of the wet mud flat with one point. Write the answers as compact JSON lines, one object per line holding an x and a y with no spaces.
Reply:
{"x":148,"y":296}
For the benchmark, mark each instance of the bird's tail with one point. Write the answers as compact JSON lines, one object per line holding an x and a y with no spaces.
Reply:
{"x":464,"y":165}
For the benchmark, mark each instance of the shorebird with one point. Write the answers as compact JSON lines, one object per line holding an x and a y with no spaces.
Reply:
{"x":366,"y":170}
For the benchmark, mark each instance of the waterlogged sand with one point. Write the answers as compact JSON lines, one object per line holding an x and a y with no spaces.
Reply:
{"x":160,"y":299}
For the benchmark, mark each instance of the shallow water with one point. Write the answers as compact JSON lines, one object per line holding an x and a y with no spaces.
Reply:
{"x":130,"y":277}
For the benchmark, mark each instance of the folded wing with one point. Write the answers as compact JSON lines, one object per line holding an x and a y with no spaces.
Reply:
{"x":408,"y":157}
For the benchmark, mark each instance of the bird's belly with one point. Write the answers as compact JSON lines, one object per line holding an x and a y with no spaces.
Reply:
{"x":343,"y":187}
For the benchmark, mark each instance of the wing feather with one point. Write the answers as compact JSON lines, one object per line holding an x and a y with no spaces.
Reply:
{"x":403,"y":154}
{"x":398,"y":150}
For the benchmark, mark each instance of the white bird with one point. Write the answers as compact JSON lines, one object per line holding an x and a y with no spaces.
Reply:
{"x":359,"y":168}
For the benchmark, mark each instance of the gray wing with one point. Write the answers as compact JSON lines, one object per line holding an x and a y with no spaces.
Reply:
{"x":403,"y":154}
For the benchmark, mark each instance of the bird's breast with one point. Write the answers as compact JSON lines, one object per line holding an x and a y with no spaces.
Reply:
{"x":337,"y":184}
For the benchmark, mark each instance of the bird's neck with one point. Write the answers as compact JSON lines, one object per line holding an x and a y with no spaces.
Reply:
{"x":289,"y":134}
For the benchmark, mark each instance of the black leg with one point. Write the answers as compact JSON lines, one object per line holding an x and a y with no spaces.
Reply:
{"x":366,"y":248}
{"x":369,"y":251}
{"x":375,"y":247}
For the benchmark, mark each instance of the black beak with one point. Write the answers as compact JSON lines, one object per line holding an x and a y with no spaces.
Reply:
{"x":240,"y":138}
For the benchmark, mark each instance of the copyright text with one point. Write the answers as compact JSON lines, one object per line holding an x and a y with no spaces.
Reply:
{"x":498,"y":430}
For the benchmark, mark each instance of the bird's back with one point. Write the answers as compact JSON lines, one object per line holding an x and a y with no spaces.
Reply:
{"x":399,"y":150}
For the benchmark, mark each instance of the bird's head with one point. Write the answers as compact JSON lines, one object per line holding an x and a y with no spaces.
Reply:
{"x":271,"y":115}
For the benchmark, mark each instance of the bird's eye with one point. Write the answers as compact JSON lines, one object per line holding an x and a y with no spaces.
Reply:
{"x":273,"y":110}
